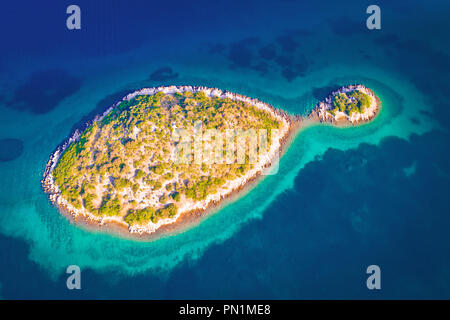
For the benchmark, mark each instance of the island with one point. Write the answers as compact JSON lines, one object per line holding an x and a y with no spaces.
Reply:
{"x":163,"y":156}
{"x":350,"y":105}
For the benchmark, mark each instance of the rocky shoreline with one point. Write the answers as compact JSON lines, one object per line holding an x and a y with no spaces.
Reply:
{"x":321,"y":112}
{"x":189,"y":218}
{"x":292,"y":126}
{"x":90,"y":219}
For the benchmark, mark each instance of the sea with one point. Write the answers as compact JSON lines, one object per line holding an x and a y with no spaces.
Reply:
{"x":342,"y":200}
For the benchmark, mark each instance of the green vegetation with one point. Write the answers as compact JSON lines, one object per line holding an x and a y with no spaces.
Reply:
{"x":110,"y":206}
{"x":176,"y":196}
{"x":139,"y":174}
{"x":350,"y":102}
{"x":143,"y":216}
{"x":124,"y":160}
{"x":168,"y":211}
{"x":122,"y":183}
{"x":140,"y":217}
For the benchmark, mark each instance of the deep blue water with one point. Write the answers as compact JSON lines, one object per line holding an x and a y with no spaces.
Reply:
{"x":341,"y":201}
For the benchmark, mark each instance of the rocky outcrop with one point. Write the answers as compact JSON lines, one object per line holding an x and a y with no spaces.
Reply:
{"x":322,"y":112}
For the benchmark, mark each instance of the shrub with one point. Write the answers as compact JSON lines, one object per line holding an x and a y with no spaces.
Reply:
{"x":176,"y":196}
{"x":139,"y":174}
{"x":140,"y":217}
{"x":110,"y":206}
{"x":167,"y":212}
{"x":163,"y":199}
{"x":157,"y":185}
{"x":340,"y":102}
{"x":122,"y":183}
{"x":135,"y":187}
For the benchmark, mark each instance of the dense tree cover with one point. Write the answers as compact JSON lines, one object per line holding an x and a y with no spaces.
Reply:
{"x":121,"y":183}
{"x":168,"y":211}
{"x":351,"y":102}
{"x":110,"y":206}
{"x":140,"y":216}
{"x":143,"y":216}
{"x":362,"y":99}
{"x":125,"y":159}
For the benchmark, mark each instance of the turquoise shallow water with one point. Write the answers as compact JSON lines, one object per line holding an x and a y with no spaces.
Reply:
{"x":35,"y":218}
{"x":316,"y":224}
